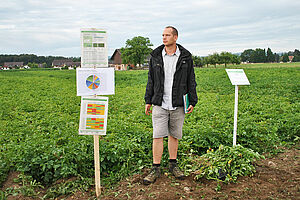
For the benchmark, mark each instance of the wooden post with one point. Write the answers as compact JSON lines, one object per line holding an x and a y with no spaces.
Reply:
{"x":97,"y":165}
{"x":97,"y":162}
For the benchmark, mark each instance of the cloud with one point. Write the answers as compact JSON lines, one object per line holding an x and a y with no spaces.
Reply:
{"x":206,"y":26}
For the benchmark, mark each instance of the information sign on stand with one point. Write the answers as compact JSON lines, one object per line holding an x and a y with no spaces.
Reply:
{"x":95,"y":81}
{"x":93,"y":48}
{"x":94,"y":78}
{"x":237,"y":77}
{"x":93,"y":115}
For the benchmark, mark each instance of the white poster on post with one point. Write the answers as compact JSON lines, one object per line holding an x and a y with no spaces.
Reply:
{"x":99,"y":81}
{"x":237,"y":77}
{"x":93,"y":115}
{"x":93,"y":48}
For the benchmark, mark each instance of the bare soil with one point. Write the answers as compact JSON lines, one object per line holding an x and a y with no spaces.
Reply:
{"x":276,"y":178}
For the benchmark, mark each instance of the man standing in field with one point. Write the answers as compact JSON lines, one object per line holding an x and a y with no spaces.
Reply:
{"x":171,"y":75}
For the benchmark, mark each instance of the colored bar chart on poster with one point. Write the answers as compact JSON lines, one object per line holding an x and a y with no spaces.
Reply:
{"x":95,"y":109}
{"x":93,"y":115}
{"x":95,"y":123}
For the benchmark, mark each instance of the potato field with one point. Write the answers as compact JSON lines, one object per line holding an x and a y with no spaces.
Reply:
{"x":39,"y":118}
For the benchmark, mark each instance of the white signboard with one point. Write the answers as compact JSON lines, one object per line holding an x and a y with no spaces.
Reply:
{"x":237,"y":77}
{"x":98,"y":81}
{"x":93,"y":48}
{"x":93,"y":115}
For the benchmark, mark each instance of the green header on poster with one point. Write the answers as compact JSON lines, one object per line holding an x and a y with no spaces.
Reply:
{"x":93,"y":31}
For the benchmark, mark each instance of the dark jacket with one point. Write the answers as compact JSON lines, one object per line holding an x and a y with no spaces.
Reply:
{"x":183,"y":82}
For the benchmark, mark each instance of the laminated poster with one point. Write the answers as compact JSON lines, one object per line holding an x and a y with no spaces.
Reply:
{"x":93,"y":48}
{"x":93,"y":115}
{"x":98,"y":81}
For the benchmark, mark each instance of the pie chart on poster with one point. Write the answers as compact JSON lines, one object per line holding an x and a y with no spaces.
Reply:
{"x":93,"y":82}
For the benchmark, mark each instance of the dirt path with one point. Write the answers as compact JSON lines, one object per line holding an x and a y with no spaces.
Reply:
{"x":276,"y":178}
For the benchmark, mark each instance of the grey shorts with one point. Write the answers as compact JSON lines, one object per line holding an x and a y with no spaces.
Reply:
{"x":167,"y":122}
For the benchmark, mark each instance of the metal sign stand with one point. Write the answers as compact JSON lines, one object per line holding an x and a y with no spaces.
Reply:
{"x":235,"y":114}
{"x":237,"y":77}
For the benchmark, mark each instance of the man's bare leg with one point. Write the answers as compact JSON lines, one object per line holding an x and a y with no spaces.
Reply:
{"x":173,"y":147}
{"x":157,"y":149}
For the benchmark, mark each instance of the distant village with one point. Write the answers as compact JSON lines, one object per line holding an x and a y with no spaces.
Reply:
{"x":27,"y":61}
{"x":114,"y":61}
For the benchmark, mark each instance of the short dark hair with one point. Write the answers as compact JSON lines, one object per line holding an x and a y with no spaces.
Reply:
{"x":174,"y":30}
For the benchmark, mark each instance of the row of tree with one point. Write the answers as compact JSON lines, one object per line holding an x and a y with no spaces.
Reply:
{"x":263,"y":56}
{"x":138,"y":49}
{"x":214,"y":59}
{"x":31,"y":60}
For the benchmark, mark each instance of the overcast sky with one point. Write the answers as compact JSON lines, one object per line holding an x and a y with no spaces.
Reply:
{"x":45,"y":27}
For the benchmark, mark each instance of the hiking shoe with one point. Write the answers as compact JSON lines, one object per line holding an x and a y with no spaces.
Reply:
{"x":152,"y":176}
{"x":174,"y":169}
